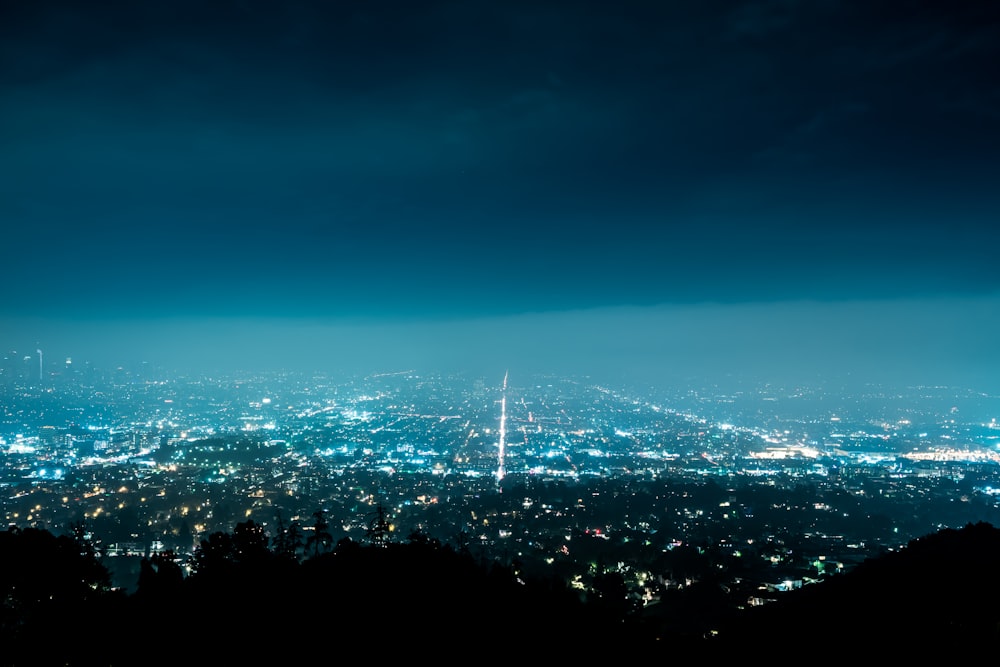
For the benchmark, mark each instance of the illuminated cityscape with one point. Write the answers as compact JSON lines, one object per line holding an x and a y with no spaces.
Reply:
{"x":557,"y":473}
{"x":497,"y":324}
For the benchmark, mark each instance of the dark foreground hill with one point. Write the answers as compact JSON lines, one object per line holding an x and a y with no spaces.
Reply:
{"x":411,"y":602}
{"x":424,"y":601}
{"x":937,"y":598}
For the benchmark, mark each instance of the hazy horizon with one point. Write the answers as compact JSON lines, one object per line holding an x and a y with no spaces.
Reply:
{"x":919,"y":341}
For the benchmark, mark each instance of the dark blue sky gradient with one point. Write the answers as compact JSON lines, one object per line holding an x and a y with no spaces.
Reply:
{"x":443,"y":164}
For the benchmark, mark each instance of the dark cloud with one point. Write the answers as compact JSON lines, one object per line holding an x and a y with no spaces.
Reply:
{"x":393,"y":158}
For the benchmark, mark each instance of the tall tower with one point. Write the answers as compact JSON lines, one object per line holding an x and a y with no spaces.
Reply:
{"x":41,"y":370}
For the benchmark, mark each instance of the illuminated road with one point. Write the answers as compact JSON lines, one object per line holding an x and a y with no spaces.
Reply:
{"x":502,"y":444}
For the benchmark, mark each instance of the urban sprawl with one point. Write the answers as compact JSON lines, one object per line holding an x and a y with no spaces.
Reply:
{"x":775,"y":486}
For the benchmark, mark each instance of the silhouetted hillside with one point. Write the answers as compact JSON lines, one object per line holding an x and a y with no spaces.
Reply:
{"x":248,"y":604}
{"x":400,"y":601}
{"x":938,"y":596}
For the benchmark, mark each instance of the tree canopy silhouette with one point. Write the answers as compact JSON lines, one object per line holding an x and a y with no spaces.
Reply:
{"x":938,"y":591}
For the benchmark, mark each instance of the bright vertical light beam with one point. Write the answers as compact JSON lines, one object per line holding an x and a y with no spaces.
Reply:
{"x":502,"y":445}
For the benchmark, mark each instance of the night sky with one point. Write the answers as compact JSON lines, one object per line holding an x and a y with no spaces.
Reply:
{"x":769,"y":189}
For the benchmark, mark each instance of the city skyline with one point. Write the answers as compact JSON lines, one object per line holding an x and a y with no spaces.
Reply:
{"x":752,"y":189}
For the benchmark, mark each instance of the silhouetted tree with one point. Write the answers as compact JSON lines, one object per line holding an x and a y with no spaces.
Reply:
{"x":45,"y":580}
{"x":179,"y":537}
{"x":223,"y":552}
{"x":250,"y":544}
{"x":379,"y":528}
{"x":462,"y":542}
{"x":159,"y":575}
{"x":346,"y":545}
{"x":418,"y":536}
{"x":288,"y":540}
{"x":213,"y":554}
{"x":611,"y":594}
{"x":321,"y":538}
